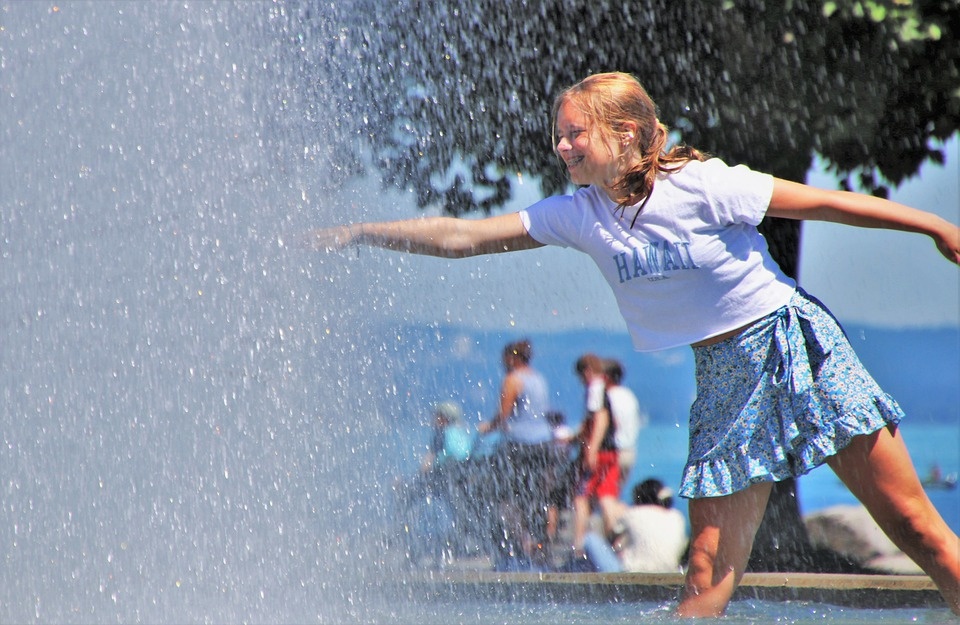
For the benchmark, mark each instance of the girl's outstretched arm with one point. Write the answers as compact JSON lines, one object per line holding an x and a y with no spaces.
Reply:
{"x":447,"y":237}
{"x":792,"y":200}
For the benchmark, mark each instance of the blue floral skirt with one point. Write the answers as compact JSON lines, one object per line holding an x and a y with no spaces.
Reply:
{"x":777,"y":400}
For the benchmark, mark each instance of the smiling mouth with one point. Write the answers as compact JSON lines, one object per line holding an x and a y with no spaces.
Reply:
{"x":573,"y":162}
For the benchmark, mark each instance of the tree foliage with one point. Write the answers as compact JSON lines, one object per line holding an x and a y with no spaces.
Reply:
{"x":455,"y":97}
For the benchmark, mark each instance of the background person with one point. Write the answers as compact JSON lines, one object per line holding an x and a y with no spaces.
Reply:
{"x":432,"y":503}
{"x":651,"y":535}
{"x":451,"y":441}
{"x":527,"y":459}
{"x":626,"y":412}
{"x":598,"y":479}
{"x":560,"y":495}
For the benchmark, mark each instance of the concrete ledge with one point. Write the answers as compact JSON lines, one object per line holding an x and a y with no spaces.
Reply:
{"x":859,"y":591}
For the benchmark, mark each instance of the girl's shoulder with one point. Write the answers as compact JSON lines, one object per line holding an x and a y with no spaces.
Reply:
{"x":721,"y":193}
{"x":700,"y":171}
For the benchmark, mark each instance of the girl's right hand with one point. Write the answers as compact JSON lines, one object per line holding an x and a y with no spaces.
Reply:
{"x":326,"y":239}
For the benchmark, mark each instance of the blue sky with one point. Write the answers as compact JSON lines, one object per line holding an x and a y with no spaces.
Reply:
{"x":885,"y":278}
{"x":868,"y":277}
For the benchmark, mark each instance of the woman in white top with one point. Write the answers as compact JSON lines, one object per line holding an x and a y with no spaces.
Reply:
{"x":653,"y":534}
{"x":779,"y":390}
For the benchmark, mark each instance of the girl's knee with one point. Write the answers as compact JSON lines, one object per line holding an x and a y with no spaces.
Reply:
{"x":702,"y":557}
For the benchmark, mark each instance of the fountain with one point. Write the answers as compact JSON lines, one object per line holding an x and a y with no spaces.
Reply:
{"x":174,"y":448}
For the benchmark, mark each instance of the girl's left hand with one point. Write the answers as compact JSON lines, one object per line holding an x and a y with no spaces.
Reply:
{"x":949,"y":243}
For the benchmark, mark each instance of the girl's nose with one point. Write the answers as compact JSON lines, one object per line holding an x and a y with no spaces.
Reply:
{"x":563,"y":145}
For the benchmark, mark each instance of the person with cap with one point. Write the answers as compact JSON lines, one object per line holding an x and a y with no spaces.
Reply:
{"x":432,"y":503}
{"x":451,"y":441}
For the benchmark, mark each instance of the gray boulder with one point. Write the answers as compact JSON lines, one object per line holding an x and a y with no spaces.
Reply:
{"x":850,"y":531}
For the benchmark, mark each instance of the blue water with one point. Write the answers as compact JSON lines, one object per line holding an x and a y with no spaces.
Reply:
{"x":662,"y":452}
{"x":739,"y":613}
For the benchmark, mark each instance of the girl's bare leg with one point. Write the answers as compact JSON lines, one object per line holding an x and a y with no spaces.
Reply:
{"x":723,"y":529}
{"x":878,"y":470}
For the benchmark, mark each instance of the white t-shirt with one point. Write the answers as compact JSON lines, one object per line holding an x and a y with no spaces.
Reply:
{"x":595,"y":395}
{"x":694,"y":265}
{"x":627,"y":415}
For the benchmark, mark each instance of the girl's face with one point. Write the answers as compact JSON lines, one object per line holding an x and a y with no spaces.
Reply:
{"x":588,"y":157}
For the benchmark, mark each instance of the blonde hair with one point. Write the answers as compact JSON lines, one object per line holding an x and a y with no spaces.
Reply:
{"x":613,"y":100}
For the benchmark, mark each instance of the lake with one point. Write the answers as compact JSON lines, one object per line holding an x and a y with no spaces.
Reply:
{"x":662,"y":453}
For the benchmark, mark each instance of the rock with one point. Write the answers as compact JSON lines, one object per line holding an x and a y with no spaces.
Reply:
{"x":852,"y":532}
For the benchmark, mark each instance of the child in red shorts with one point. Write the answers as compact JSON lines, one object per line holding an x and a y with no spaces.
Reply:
{"x":598,"y":480}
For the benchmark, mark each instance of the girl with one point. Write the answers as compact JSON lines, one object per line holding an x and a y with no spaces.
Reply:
{"x":779,"y":389}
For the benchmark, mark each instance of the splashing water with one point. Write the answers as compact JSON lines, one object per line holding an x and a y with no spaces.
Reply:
{"x":182,"y":432}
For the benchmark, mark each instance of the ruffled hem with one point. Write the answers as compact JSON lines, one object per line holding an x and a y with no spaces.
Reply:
{"x":721,"y":474}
